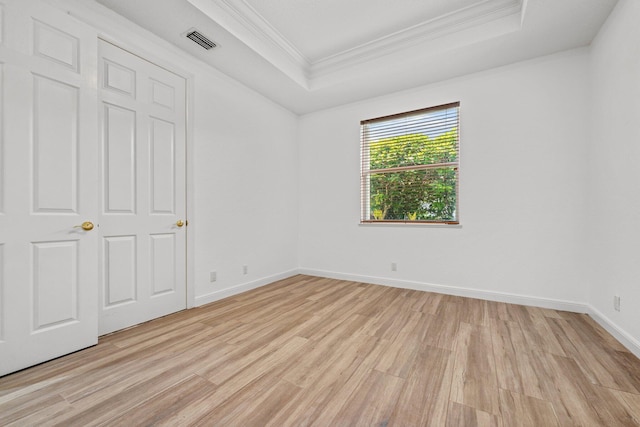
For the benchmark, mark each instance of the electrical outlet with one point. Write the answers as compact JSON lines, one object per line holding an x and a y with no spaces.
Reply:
{"x":616,"y":303}
{"x":394,"y":266}
{"x":245,"y":269}
{"x":213,"y":276}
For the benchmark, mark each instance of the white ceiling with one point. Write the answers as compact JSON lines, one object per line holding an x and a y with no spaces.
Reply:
{"x":312,"y":54}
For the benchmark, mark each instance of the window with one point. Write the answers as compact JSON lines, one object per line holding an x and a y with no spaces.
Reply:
{"x":409,"y":171}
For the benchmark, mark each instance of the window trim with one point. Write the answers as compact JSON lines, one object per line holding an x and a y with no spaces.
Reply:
{"x":365,"y":172}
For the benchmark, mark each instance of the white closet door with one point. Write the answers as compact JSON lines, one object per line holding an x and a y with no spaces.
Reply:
{"x":48,"y":172}
{"x":143,"y":249}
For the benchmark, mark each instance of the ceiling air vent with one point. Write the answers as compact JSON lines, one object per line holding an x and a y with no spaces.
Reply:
{"x":202,"y":40}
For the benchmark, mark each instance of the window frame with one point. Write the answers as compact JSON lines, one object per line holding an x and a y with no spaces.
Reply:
{"x":366,"y":172}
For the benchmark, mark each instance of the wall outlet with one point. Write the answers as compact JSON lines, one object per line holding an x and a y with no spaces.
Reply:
{"x":394,"y":266}
{"x":616,"y":303}
{"x":245,"y":269}
{"x":213,"y":276}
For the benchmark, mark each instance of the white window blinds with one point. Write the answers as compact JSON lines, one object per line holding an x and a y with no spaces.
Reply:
{"x":410,"y":167}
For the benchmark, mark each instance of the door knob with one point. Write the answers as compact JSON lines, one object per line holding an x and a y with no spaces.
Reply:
{"x":180,"y":223}
{"x":86,"y":226}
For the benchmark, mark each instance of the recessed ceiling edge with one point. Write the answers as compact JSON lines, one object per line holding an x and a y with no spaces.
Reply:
{"x":245,"y":23}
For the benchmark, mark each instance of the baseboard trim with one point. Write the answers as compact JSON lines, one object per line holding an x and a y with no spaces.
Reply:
{"x":554,"y":304}
{"x":243,"y":287}
{"x":618,"y":333}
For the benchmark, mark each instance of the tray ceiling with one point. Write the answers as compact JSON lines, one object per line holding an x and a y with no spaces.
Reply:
{"x":311,"y":54}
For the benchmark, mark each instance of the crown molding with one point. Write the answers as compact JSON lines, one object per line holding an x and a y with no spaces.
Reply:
{"x":445,"y":25}
{"x":523,"y":11}
{"x":249,"y":26}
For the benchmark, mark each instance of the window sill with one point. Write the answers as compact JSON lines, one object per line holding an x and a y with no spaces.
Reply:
{"x":410,"y":224}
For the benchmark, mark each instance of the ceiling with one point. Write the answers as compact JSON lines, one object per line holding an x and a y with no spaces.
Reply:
{"x":308,"y":55}
{"x":320,"y":29}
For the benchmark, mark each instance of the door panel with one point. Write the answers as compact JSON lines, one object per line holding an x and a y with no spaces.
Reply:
{"x":162,"y":94}
{"x":163,"y":167}
{"x":55,"y":45}
{"x":55,"y":146}
{"x":120,"y":160}
{"x":120,"y":270}
{"x":55,"y":284}
{"x":1,"y":24}
{"x":2,"y":184}
{"x":49,"y":162}
{"x":163,"y":263}
{"x":119,"y":78}
{"x":143,"y":137}
{"x":2,"y":290}
{"x":2,"y":150}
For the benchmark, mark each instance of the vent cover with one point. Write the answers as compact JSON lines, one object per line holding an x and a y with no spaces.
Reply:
{"x":199,"y":38}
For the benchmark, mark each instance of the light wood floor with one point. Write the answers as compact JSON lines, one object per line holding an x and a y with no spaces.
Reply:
{"x":312,"y":351}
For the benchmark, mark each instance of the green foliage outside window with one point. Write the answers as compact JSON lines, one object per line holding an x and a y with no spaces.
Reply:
{"x":415,"y":194}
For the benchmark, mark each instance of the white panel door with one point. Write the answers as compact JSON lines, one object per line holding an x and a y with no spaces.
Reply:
{"x":142,"y":114}
{"x":48,"y":184}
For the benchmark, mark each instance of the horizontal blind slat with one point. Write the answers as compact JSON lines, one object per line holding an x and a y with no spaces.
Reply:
{"x":409,"y":168}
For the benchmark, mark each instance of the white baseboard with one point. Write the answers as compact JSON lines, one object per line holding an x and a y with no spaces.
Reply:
{"x":554,"y":304}
{"x":243,"y":287}
{"x":632,"y":344}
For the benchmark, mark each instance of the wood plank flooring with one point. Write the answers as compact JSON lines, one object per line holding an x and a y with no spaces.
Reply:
{"x":310,"y":351}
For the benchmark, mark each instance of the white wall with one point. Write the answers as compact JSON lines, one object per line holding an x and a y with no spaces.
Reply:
{"x":245,"y":188}
{"x":522,"y":188}
{"x":614,"y":172}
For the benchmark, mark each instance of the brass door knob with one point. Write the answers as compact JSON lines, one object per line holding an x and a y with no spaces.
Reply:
{"x":86,"y":226}
{"x":180,"y":223}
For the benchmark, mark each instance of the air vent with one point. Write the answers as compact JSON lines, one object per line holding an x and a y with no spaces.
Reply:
{"x":202,"y":40}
